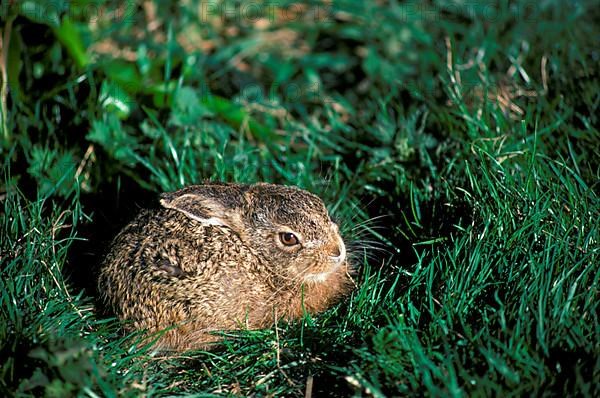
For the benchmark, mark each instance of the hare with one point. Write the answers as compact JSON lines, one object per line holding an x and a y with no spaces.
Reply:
{"x":224,"y":256}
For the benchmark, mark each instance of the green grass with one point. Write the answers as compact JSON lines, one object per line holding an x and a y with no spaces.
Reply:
{"x":457,"y":145}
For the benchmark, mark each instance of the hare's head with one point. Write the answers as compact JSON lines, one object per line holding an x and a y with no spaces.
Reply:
{"x":287,"y":227}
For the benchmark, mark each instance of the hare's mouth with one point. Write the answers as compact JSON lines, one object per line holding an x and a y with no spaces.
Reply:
{"x":335,"y":259}
{"x":320,"y":277}
{"x":317,"y":278}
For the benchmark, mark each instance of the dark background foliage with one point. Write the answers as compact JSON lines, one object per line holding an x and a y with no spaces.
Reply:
{"x":457,"y":143}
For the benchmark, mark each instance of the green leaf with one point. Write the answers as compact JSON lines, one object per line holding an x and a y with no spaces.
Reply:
{"x":69,"y":36}
{"x":123,"y":73}
{"x":187,"y":108}
{"x":111,"y":135}
{"x":14,"y":65}
{"x":238,"y":116}
{"x":114,"y":99}
{"x":54,"y":170}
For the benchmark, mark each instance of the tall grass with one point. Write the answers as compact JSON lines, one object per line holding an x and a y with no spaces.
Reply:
{"x":456,"y":144}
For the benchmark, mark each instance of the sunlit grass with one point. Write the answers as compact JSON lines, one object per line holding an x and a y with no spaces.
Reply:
{"x":460,"y":156}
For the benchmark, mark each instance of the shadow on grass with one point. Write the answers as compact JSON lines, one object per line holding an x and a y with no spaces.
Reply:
{"x":111,"y":208}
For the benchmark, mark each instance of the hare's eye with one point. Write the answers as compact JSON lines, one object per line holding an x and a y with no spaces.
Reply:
{"x":288,"y":238}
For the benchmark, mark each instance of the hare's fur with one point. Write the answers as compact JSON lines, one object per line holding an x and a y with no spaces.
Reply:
{"x":211,"y":259}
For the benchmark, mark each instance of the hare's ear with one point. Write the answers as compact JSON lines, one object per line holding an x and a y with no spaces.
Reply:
{"x":208,"y":204}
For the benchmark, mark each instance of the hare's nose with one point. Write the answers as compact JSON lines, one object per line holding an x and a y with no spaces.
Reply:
{"x":338,"y":254}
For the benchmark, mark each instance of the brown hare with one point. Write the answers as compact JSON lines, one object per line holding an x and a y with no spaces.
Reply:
{"x":224,"y":256}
